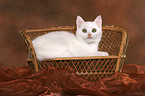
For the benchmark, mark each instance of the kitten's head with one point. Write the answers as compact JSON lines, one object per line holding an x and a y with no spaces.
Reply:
{"x":89,"y":32}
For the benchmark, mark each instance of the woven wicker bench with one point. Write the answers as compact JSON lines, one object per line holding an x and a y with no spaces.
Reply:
{"x":93,"y":68}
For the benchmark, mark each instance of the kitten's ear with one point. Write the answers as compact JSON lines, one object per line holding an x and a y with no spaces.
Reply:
{"x":98,"y":21}
{"x":79,"y":21}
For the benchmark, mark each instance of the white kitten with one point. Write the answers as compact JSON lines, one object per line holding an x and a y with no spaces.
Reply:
{"x":66,"y":44}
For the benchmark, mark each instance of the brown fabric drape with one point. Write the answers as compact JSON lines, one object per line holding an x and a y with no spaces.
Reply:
{"x":21,"y":82}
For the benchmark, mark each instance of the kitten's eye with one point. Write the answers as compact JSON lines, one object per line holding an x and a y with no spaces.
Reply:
{"x":84,"y":30}
{"x":94,"y":30}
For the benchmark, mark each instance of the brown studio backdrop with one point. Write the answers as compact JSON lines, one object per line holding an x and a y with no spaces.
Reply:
{"x":16,"y":15}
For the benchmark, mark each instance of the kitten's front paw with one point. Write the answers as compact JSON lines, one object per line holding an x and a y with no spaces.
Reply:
{"x":103,"y":54}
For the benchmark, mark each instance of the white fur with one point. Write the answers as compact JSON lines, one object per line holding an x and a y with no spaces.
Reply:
{"x":66,"y":44}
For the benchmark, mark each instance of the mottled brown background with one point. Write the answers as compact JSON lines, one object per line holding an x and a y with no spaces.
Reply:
{"x":31,"y":14}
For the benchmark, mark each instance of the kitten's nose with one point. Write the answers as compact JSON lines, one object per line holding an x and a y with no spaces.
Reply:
{"x":89,"y":34}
